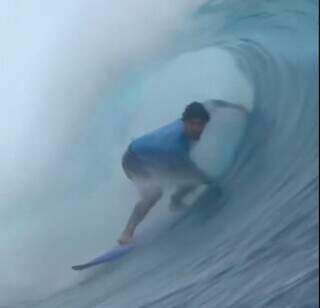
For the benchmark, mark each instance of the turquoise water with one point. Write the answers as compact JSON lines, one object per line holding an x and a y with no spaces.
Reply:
{"x":256,"y":246}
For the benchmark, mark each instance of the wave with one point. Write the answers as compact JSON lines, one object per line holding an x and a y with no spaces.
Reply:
{"x":256,"y":244}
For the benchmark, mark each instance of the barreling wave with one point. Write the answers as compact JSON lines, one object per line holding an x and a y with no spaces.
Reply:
{"x":254,"y":245}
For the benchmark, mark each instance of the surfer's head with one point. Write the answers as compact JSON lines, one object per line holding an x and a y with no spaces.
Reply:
{"x":195,"y":118}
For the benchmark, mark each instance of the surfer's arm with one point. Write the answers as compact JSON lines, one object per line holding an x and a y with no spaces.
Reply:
{"x":191,"y":170}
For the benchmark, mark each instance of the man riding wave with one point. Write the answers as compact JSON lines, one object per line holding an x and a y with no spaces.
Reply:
{"x":164,"y":152}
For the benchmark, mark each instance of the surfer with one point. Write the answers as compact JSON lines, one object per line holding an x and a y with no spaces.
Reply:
{"x":164,"y":152}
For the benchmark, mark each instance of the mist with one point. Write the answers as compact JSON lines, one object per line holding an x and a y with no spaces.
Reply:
{"x":79,"y":80}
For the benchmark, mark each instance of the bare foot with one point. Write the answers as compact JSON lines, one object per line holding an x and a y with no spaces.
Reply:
{"x":125,"y":239}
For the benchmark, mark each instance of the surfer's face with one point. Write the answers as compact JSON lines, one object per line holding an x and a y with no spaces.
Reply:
{"x":194,"y":128}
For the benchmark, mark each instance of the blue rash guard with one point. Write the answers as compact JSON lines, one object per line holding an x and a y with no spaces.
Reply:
{"x":166,"y":151}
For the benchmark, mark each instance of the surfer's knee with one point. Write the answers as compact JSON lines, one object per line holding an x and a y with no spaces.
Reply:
{"x":149,"y":200}
{"x":157,"y":194}
{"x":140,"y":209}
{"x":153,"y":195}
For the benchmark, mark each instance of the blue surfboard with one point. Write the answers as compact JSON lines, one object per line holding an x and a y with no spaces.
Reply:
{"x":108,"y":256}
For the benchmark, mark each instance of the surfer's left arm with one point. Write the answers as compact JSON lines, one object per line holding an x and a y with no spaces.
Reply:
{"x":192,"y":170}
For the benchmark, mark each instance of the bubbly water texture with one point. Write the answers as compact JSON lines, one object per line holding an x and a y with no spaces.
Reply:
{"x":104,"y":73}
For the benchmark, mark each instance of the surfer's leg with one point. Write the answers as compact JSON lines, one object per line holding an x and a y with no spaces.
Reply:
{"x":148,"y":199}
{"x":149,"y":192}
{"x":178,"y":196}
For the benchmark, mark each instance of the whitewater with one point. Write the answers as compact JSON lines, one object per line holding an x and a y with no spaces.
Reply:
{"x":80,"y":79}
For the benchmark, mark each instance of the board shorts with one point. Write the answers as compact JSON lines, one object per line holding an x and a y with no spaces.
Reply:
{"x":136,"y":171}
{"x":133,"y":167}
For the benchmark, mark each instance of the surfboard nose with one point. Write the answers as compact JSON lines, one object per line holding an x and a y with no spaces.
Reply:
{"x":108,"y":256}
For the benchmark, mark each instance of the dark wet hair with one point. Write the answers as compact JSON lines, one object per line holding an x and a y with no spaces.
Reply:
{"x":195,"y":110}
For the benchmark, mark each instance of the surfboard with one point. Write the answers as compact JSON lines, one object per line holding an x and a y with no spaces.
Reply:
{"x":108,"y":256}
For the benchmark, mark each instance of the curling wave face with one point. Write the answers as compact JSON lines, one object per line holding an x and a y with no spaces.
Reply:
{"x":256,"y":245}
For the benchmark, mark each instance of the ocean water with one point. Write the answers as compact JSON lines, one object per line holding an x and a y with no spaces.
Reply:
{"x":93,"y":76}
